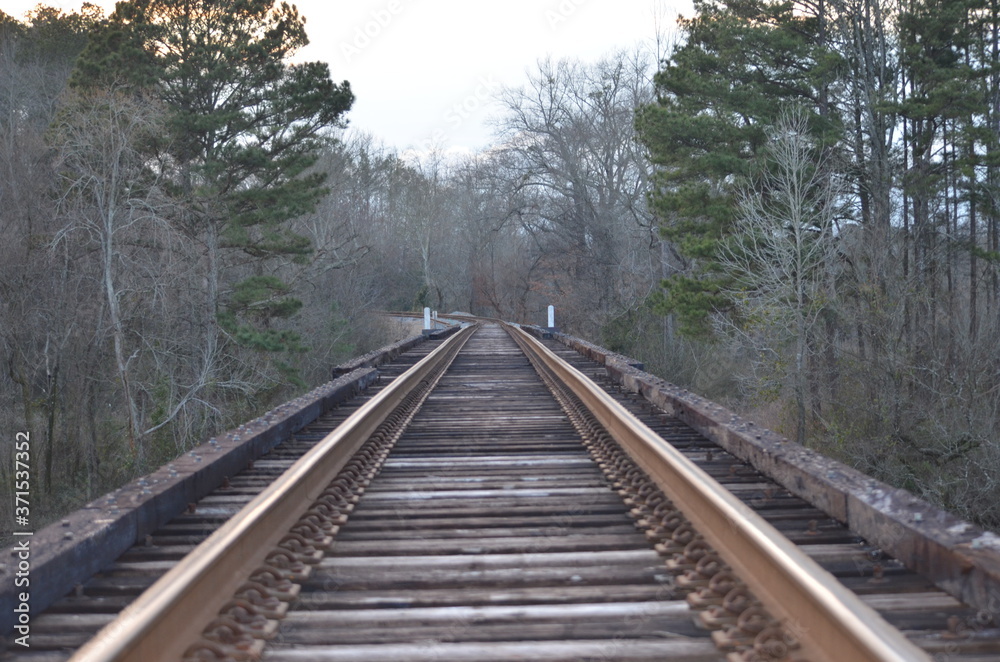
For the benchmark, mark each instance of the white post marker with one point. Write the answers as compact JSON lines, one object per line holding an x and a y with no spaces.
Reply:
{"x":427,"y":319}
{"x":552,"y":317}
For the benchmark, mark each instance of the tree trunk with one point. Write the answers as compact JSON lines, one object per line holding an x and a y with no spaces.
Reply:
{"x":800,"y":379}
{"x":118,"y":334}
{"x":50,"y":442}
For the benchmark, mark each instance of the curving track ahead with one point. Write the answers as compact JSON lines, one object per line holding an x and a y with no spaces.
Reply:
{"x":488,"y":520}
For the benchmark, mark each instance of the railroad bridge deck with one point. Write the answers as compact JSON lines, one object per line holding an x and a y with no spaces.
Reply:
{"x":490,"y":533}
{"x":489,"y":527}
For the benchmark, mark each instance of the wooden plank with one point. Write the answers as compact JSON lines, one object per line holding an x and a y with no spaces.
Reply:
{"x":482,"y":596}
{"x":479,"y":519}
{"x":575,"y":559}
{"x":678,"y":650}
{"x":362,"y":579}
{"x":503,"y":623}
{"x":485,"y":462}
{"x":912,"y":601}
{"x":561,"y":543}
{"x":496,"y":504}
{"x":436,"y":483}
{"x":325,"y":634}
{"x":462,"y":530}
{"x":63,"y":623}
{"x":496,"y":614}
{"x":376,"y":497}
{"x":838,"y":552}
{"x":555,"y":507}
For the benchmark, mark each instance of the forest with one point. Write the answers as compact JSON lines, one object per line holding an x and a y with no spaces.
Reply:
{"x":792,"y":208}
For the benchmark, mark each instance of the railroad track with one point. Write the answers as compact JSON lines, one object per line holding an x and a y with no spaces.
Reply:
{"x":478,"y":526}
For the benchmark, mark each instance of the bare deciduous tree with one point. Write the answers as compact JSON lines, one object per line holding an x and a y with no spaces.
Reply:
{"x":107,"y":199}
{"x":581,"y":179}
{"x":781,"y":257}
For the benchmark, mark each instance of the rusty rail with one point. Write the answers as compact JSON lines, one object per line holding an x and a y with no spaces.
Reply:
{"x":830,"y":622}
{"x":172,"y":613}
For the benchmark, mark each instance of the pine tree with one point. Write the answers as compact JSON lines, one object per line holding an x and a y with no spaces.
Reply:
{"x":940,"y":89}
{"x":245,"y":129}
{"x":741,"y":62}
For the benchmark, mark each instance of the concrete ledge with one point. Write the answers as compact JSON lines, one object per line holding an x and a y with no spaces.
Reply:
{"x":957,"y":556}
{"x":67,"y":553}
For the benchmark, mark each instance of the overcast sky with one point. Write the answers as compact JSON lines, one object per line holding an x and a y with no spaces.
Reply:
{"x":425,"y":71}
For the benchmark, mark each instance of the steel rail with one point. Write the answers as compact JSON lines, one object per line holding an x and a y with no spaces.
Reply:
{"x":170,"y":616}
{"x":829,"y":621}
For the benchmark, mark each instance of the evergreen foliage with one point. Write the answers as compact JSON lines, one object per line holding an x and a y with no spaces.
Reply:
{"x":742,"y":61}
{"x":246,"y":128}
{"x":889,"y":352}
